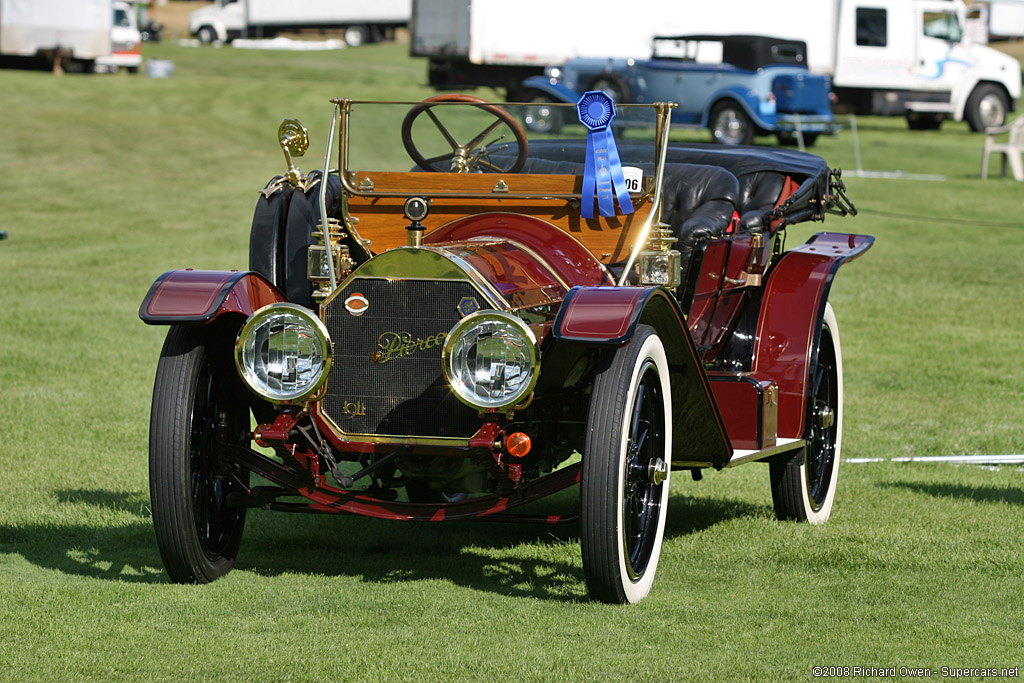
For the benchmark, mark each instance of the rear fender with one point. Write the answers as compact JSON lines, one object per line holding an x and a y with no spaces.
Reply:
{"x":749,"y":103}
{"x":199,"y":296}
{"x":556,"y":91}
{"x":791,"y":315}
{"x":608,"y":316}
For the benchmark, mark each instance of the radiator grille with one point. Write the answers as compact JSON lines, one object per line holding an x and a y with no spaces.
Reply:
{"x":406,"y":395}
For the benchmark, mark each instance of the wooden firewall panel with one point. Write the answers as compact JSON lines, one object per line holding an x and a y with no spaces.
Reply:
{"x":380,"y":218}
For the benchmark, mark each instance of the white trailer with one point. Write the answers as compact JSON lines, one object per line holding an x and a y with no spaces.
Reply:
{"x":886,"y":57}
{"x":76,"y":29}
{"x":996,"y":20}
{"x":494,"y":43}
{"x":361,"y":21}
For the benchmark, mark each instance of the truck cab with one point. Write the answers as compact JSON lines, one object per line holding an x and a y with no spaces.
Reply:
{"x":936,"y":75}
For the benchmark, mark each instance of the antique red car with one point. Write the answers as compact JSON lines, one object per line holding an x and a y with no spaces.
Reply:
{"x":475,"y":319}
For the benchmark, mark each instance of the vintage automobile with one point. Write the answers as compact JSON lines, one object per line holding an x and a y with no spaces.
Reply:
{"x":735,"y":86}
{"x":448,"y":330}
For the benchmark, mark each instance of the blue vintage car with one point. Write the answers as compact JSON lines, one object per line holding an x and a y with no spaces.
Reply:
{"x":736,"y":86}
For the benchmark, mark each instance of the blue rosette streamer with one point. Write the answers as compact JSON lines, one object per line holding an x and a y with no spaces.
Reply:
{"x":602,"y":171}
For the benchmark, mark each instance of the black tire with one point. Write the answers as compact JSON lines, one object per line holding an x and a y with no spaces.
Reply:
{"x":613,"y":86}
{"x":804,"y":487}
{"x":357,"y":35}
{"x":206,"y":35}
{"x":626,"y":463}
{"x":987,"y":107}
{"x":195,"y":408}
{"x":267,"y":234}
{"x":916,"y":121}
{"x":539,"y":117}
{"x":730,"y":125}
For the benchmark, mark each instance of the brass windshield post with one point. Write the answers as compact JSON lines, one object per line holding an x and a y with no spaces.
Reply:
{"x":663,"y":112}
{"x":323,"y":198}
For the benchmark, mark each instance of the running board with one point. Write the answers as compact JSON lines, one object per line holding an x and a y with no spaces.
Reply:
{"x":740,"y":457}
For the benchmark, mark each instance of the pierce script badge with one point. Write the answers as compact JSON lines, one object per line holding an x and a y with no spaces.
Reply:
{"x":392,"y":345}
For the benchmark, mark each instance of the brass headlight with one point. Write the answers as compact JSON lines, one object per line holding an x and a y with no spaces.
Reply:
{"x":490,"y":360}
{"x":283,"y":353}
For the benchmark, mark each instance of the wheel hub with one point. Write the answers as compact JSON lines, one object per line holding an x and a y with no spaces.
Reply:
{"x":825,"y":416}
{"x":657,"y":471}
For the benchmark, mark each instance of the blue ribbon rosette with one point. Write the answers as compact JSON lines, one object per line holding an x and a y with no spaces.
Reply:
{"x":602,"y":172}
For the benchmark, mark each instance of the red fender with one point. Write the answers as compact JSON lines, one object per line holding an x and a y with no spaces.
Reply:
{"x":608,"y":316}
{"x":791,"y":316}
{"x":199,"y":296}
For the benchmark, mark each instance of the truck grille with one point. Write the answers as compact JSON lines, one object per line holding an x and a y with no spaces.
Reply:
{"x":386,"y":378}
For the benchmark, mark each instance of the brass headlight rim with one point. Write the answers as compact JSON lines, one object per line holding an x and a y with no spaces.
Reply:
{"x":319,"y":328}
{"x":472,"y":320}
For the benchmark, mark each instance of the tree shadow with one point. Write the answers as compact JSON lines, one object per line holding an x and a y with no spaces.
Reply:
{"x":513,"y":559}
{"x":981,"y":494}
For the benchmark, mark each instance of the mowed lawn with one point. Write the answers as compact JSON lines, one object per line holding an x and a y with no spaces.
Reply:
{"x":108,"y":181}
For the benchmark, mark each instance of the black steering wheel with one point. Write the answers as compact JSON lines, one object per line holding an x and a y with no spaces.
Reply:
{"x":474,"y":155}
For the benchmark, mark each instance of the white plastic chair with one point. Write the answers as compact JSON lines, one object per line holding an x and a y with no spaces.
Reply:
{"x":1012,"y":150}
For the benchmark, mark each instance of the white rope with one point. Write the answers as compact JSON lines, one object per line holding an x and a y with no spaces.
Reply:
{"x":971,"y":459}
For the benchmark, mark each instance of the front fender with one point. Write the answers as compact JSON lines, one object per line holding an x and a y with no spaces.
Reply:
{"x":557,"y":90}
{"x":608,"y":316}
{"x":792,"y":311}
{"x":749,"y":102}
{"x":198,"y":296}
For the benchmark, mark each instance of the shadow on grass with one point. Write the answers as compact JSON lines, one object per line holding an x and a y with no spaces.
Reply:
{"x":525,"y":560}
{"x":981,"y":494}
{"x":121,"y":550}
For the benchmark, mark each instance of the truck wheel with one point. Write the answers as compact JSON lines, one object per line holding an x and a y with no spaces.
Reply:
{"x":804,"y":487}
{"x":540,"y":116}
{"x":356,"y":35}
{"x":730,"y":125}
{"x":626,"y":463}
{"x":986,"y":107}
{"x":206,"y":35}
{"x":196,"y":412}
{"x":613,"y":86}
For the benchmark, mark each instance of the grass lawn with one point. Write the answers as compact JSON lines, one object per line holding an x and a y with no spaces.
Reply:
{"x":111,"y":180}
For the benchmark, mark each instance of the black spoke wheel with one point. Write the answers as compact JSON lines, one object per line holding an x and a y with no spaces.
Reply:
{"x":804,"y":487}
{"x":626,"y":463}
{"x":196,"y":412}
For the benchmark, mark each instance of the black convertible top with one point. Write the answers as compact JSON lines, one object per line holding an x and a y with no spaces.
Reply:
{"x":820,"y":189}
{"x":752,"y":52}
{"x":739,"y":160}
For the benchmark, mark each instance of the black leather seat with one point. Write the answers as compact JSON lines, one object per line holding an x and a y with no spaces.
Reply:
{"x":759,"y":192}
{"x":699,"y":204}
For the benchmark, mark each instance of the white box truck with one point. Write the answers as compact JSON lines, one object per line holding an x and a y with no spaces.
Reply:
{"x":74,"y":29}
{"x":885,"y":57}
{"x":361,"y":21}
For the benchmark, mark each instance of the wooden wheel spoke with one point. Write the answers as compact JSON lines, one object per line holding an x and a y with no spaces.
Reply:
{"x":443,"y":129}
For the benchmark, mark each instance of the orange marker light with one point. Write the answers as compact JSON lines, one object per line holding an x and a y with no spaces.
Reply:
{"x":518,"y":445}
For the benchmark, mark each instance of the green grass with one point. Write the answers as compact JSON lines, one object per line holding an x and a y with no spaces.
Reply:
{"x":110,"y":181}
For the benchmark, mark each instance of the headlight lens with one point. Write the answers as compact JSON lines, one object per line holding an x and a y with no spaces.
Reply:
{"x":490,"y":359}
{"x":283,"y":353}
